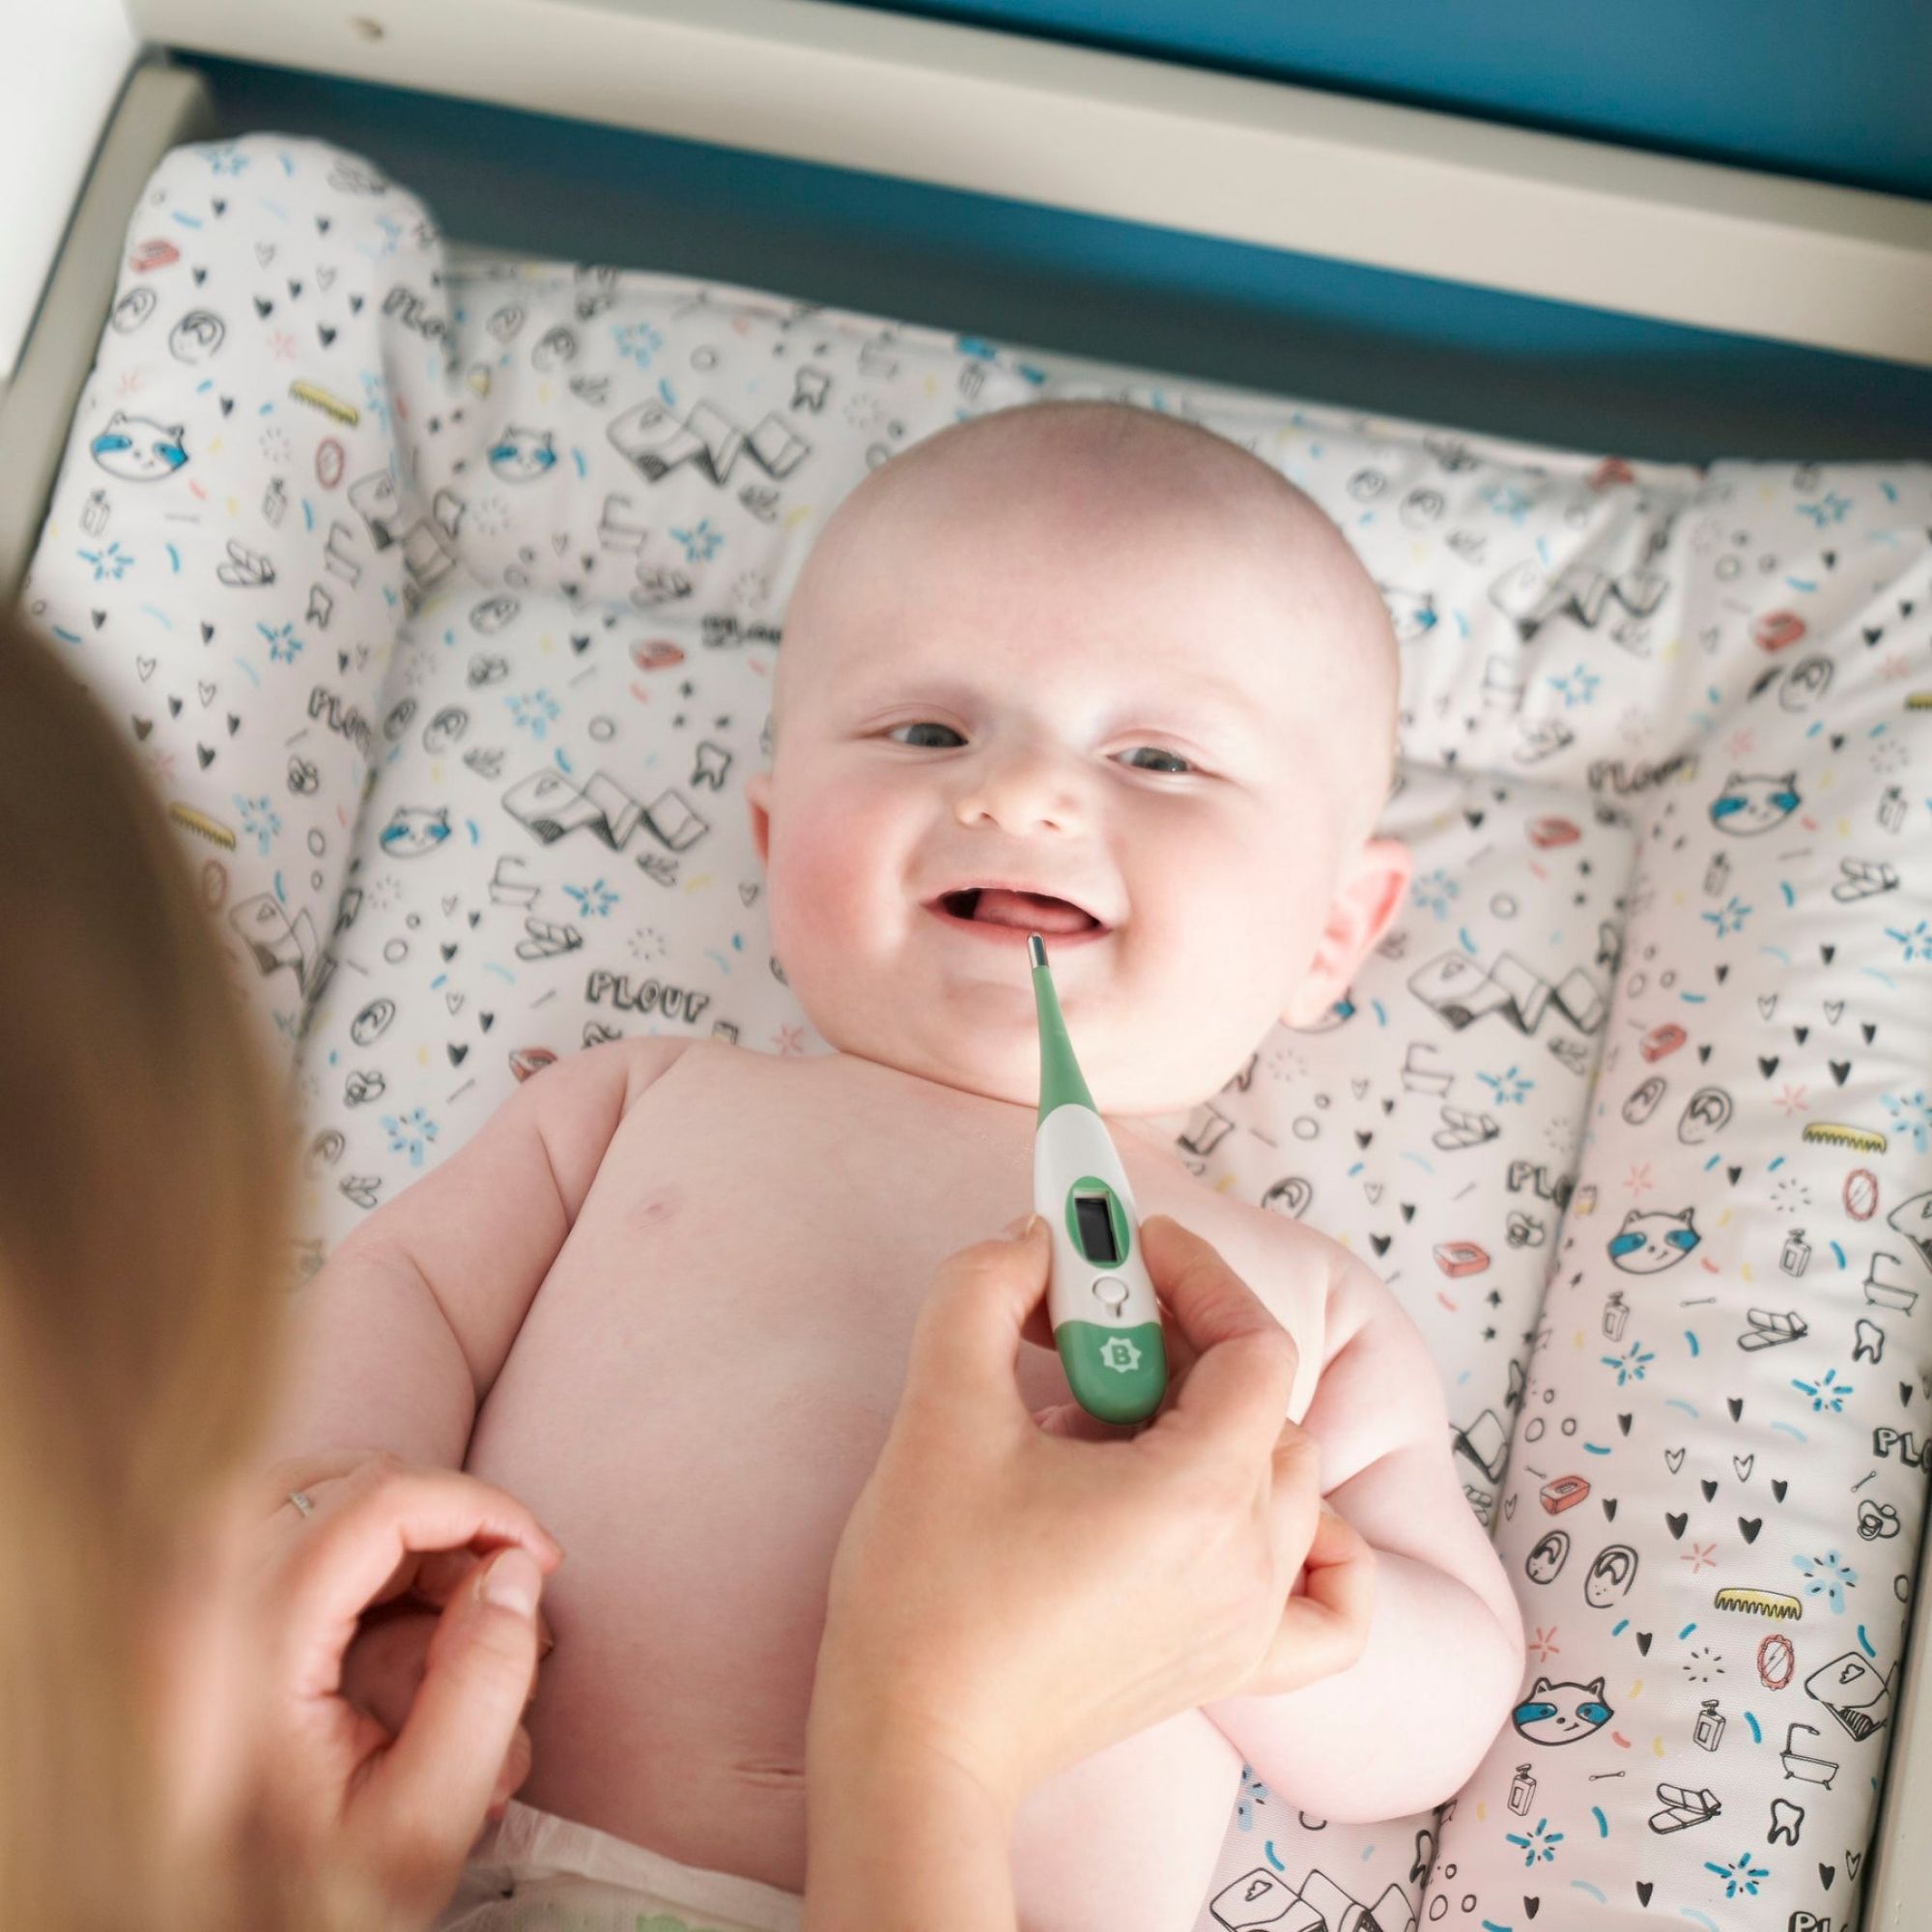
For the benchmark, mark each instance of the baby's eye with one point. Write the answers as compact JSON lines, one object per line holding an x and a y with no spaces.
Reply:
{"x":1173,"y":758}
{"x":924,"y":724}
{"x":1176,"y":764}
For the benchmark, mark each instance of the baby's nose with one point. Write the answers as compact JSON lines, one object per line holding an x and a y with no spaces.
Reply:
{"x":1019,"y":788}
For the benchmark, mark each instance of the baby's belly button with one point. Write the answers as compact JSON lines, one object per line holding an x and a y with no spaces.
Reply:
{"x":770,"y":1774}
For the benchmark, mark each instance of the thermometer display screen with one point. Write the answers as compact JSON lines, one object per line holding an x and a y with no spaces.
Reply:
{"x":1096,"y":1227}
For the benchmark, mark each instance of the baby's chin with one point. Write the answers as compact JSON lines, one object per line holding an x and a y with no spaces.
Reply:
{"x":973,"y":1027}
{"x":1012,"y":1076}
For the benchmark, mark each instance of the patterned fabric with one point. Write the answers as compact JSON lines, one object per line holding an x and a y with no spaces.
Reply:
{"x":442,"y":609}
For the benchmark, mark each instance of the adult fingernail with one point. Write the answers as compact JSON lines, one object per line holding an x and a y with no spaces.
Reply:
{"x":1019,"y":1227}
{"x":512,"y":1581}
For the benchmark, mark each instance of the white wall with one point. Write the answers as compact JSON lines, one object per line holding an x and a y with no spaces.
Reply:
{"x":62,"y":66}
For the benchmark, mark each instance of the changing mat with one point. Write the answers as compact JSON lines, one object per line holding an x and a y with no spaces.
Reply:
{"x":442,"y":608}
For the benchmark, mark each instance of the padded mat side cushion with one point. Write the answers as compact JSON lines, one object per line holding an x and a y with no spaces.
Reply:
{"x":223,"y":554}
{"x":1717,"y":1481}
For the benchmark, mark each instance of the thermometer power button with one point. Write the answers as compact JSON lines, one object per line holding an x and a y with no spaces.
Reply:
{"x":1111,"y":1293}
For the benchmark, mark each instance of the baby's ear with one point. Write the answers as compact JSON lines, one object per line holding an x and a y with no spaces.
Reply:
{"x":759,"y":795}
{"x":1370,"y":894}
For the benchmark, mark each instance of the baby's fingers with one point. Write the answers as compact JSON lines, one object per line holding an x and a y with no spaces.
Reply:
{"x":1295,"y":1498}
{"x":509,"y":1780}
{"x":1325,"y":1630}
{"x":384,"y":1664}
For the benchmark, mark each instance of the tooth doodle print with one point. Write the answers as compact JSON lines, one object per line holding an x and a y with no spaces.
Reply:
{"x":440,"y":607}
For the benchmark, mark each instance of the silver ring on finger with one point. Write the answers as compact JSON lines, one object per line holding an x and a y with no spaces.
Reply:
{"x":303,"y":1501}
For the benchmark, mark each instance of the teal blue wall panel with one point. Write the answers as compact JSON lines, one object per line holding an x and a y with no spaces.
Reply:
{"x":1836,"y":91}
{"x":1289,"y":324}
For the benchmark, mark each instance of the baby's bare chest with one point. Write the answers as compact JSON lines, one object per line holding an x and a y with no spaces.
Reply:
{"x":712,"y":1364}
{"x":762,"y":1233}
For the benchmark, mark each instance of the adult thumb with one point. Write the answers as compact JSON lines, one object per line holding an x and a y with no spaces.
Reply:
{"x":967,"y":1340}
{"x":440,"y":1776}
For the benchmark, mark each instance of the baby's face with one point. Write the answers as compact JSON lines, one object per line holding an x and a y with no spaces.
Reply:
{"x":1147,"y":728}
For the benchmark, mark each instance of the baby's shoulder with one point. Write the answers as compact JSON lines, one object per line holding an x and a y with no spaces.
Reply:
{"x":1327,"y":1285}
{"x":1365,"y":1383}
{"x":650,"y":1057}
{"x":1294,"y":1257}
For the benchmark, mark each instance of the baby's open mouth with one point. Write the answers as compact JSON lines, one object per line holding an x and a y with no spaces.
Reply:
{"x":1036,"y":912}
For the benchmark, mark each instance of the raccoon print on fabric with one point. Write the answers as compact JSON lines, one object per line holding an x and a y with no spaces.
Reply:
{"x":1751,"y":803}
{"x":1649,"y":1244}
{"x":1561,"y":1712}
{"x":520,"y":455}
{"x":414,"y":830}
{"x":138,"y":449}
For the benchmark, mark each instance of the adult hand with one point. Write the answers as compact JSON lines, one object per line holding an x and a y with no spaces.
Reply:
{"x":400,"y":1805}
{"x":384,"y":1665}
{"x":1014,"y":1595}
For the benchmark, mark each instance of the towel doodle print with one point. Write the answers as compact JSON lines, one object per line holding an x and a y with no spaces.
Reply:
{"x":1758,"y":1060}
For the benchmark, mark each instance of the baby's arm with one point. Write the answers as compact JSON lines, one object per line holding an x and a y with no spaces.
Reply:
{"x":1405,"y":1726}
{"x":397,"y":1340}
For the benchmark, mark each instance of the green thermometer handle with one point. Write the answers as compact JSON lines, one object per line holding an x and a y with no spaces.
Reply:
{"x":1100,"y":1298}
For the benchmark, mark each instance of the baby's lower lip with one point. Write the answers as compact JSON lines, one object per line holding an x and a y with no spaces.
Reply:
{"x":1016,"y":935}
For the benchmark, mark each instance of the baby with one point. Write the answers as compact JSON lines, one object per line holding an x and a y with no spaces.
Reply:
{"x":1074,"y":669}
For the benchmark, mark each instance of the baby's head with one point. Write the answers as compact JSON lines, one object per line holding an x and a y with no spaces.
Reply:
{"x":1107,"y":655}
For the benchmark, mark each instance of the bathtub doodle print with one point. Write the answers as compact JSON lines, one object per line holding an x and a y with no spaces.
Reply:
{"x":442,"y":609}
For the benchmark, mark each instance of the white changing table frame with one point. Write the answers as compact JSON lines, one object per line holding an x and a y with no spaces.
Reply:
{"x":1148,"y":140}
{"x":1394,"y":187}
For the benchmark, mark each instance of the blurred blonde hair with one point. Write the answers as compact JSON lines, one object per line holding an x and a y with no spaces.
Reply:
{"x":142,"y":1205}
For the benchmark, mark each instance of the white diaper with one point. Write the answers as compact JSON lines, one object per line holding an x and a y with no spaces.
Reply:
{"x":539,"y":1873}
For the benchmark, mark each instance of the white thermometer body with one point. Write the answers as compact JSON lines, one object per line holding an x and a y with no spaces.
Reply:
{"x":1100,"y":1298}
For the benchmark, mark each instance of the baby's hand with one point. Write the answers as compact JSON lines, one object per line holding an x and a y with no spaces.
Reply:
{"x":383,"y":1669}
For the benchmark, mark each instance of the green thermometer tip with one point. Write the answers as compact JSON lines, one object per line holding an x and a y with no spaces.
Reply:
{"x":1061,"y":1082}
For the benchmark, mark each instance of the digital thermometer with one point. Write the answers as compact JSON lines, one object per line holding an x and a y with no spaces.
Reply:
{"x":1100,"y":1296}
